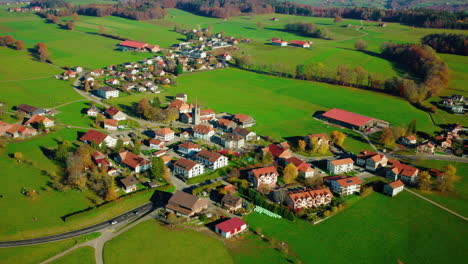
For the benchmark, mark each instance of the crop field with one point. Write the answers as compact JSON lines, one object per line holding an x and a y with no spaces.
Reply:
{"x":378,"y":229}
{"x":284,"y":108}
{"x":158,"y":244}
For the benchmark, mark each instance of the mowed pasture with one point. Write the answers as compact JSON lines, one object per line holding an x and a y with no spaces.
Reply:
{"x":159,"y":244}
{"x":77,"y":256}
{"x":377,"y":229}
{"x":284,"y":107}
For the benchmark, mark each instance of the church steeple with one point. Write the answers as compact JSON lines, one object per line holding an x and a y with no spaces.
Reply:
{"x":196,"y":113}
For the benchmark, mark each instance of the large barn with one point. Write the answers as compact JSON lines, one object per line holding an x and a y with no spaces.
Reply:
{"x":353,"y":120}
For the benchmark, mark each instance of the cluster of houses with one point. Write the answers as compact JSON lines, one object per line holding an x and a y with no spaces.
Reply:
{"x":35,"y":119}
{"x":113,"y":117}
{"x":294,"y":43}
{"x":26,"y":9}
{"x":455,"y":103}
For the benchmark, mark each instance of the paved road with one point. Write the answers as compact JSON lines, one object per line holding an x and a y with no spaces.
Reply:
{"x":143,"y":209}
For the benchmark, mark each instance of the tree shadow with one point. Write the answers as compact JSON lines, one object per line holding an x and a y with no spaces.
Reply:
{"x":160,"y":198}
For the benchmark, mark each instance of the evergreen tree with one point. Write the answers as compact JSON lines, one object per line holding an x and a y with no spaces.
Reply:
{"x":157,"y":168}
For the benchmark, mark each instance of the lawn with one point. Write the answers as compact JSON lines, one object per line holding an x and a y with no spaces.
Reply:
{"x":75,"y":114}
{"x":19,"y":65}
{"x":77,"y":256}
{"x":155,"y":243}
{"x":38,"y":253}
{"x":378,"y":229}
{"x":284,"y":108}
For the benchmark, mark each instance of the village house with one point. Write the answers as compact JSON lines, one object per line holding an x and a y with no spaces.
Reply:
{"x":97,"y":73}
{"x":307,"y":198}
{"x":16,"y":130}
{"x":204,"y":132}
{"x":4,"y":127}
{"x":353,"y":121}
{"x":393,"y":188}
{"x":211,"y":160}
{"x":164,"y":134}
{"x":457,"y":109}
{"x":107,"y":92}
{"x":232,"y":141}
{"x":181,"y":106}
{"x":231,"y":227}
{"x":446,"y":143}
{"x":371,"y":160}
{"x":321,"y":139}
{"x":244,"y":120}
{"x":98,"y":138}
{"x":409,"y":140}
{"x":428,"y":147}
{"x":70,"y":74}
{"x":299,"y":43}
{"x":156,"y":144}
{"x":134,"y":162}
{"x":231,"y":203}
{"x":278,"y":151}
{"x":303,"y":168}
{"x":225,"y":124}
{"x":263,"y":177}
{"x":340,"y":166}
{"x":181,"y":96}
{"x":30,"y":110}
{"x":35,"y":120}
{"x":129,"y":184}
{"x":100,"y":159}
{"x":244,"y":133}
{"x":115,"y":113}
{"x":344,"y":185}
{"x":188,"y":168}
{"x":188,"y":148}
{"x":187,"y":204}
{"x":406,"y":173}
{"x":279,"y":43}
{"x":111,"y":124}
{"x":92,"y":111}
{"x":153,"y":48}
{"x":113,"y":81}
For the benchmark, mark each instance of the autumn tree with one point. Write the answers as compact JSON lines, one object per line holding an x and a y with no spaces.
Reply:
{"x":360,"y":44}
{"x":338,"y":19}
{"x":70,"y":25}
{"x":314,"y":145}
{"x":111,"y":193}
{"x":360,"y":74}
{"x":172,"y":114}
{"x":75,"y":16}
{"x":7,"y":40}
{"x":19,"y":45}
{"x":323,"y":148}
{"x":62,"y":152}
{"x":172,"y":219}
{"x":424,"y":181}
{"x":102,"y":30}
{"x":144,"y":107}
{"x":259,"y":24}
{"x":301,"y":144}
{"x":18,"y":156}
{"x":387,"y":138}
{"x":267,"y":157}
{"x":290,"y":173}
{"x":445,"y":183}
{"x":338,"y":137}
{"x":99,"y":119}
{"x":42,"y":52}
{"x":86,"y":86}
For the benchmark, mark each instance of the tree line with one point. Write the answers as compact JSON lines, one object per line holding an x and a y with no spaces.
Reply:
{"x":447,"y":43}
{"x":137,"y":10}
{"x":308,"y":29}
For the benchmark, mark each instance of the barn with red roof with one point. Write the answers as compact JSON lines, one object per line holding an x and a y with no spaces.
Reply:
{"x":231,"y":227}
{"x":131,"y":45}
{"x":353,"y":120}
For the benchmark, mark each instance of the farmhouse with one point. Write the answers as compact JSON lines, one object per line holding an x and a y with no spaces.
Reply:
{"x":129,"y":183}
{"x":263,"y":177}
{"x":188,"y":148}
{"x":231,"y":203}
{"x":393,"y":188}
{"x":164,"y":134}
{"x":299,"y":43}
{"x":115,"y":113}
{"x":187,"y":204}
{"x":307,"y":198}
{"x":17,"y":130}
{"x":279,"y":43}
{"x":107,"y":92}
{"x":409,"y":140}
{"x":188,"y":168}
{"x":279,"y":151}
{"x":406,"y":173}
{"x":225,"y":124}
{"x":35,"y":120}
{"x":156,"y":144}
{"x":4,"y":127}
{"x":344,"y":185}
{"x":111,"y":124}
{"x":232,"y":141}
{"x":211,"y":160}
{"x":30,"y":110}
{"x":181,"y":96}
{"x":428,"y":147}
{"x":97,"y":73}
{"x":92,"y":111}
{"x":340,"y":166}
{"x":204,"y":132}
{"x":352,"y":120}
{"x":244,"y":120}
{"x":231,"y":227}
{"x":371,"y":160}
{"x":181,"y":106}
{"x":100,"y":159}
{"x":303,"y":168}
{"x":134,"y":162}
{"x":70,"y":74}
{"x":98,"y":138}
{"x":130,"y":45}
{"x":244,"y":133}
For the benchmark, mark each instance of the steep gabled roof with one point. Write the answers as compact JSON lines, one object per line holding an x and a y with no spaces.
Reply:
{"x":94,"y":136}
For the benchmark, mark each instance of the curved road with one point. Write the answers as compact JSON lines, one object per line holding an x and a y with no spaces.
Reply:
{"x":143,"y":209}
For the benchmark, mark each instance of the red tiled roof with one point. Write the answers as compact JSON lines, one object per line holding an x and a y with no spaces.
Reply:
{"x":208,"y":155}
{"x":185,"y":164}
{"x":403,"y":169}
{"x":94,"y":136}
{"x":132,"y":160}
{"x":207,"y":112}
{"x":242,"y":117}
{"x":298,"y":42}
{"x":230,"y":225}
{"x":112,"y":111}
{"x":279,"y":41}
{"x":348,"y":181}
{"x":203,"y":129}
{"x":111,"y":122}
{"x":164,"y":131}
{"x":133,"y":44}
{"x":279,"y":151}
{"x":224,"y":122}
{"x":342,"y":161}
{"x":37,"y":119}
{"x":396,"y":184}
{"x":155,"y":141}
{"x":265,"y":170}
{"x":189,"y":145}
{"x":347,"y":117}
{"x":300,"y":164}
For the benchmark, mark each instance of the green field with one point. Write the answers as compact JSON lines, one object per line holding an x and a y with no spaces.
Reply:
{"x":149,"y":242}
{"x":284,"y":108}
{"x":38,"y":253}
{"x":72,"y":114}
{"x":19,"y":65}
{"x":378,"y":229}
{"x":77,"y":256}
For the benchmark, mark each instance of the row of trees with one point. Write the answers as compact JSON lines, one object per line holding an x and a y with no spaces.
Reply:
{"x":9,"y":41}
{"x":308,"y":29}
{"x":447,"y":43}
{"x":137,"y":10}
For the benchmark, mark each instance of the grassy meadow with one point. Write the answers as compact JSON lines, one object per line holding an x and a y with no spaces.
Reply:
{"x":75,"y":114}
{"x":150,"y":242}
{"x":77,"y":256}
{"x":378,"y":229}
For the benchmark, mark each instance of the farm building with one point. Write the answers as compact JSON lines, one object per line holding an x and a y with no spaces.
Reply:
{"x":352,"y":120}
{"x":299,"y":43}
{"x":130,"y":45}
{"x":231,"y":227}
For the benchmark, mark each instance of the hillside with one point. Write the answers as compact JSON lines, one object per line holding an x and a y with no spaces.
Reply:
{"x":390,"y":4}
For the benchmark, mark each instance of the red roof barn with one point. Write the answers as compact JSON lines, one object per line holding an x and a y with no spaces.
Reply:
{"x":231,"y":227}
